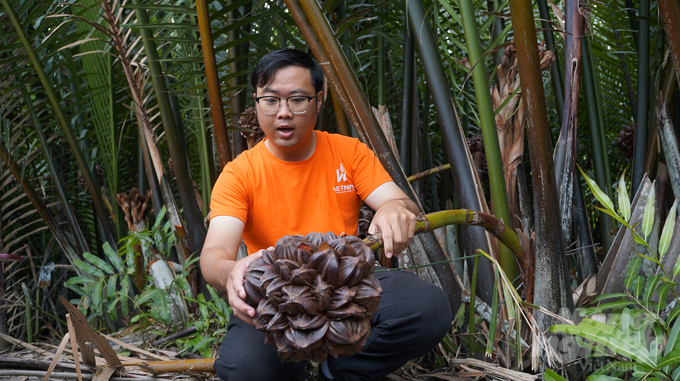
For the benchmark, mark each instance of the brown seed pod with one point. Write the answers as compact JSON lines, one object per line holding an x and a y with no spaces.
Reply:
{"x":314,"y":295}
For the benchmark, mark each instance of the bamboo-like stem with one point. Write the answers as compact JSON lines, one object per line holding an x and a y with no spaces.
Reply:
{"x":340,"y":117}
{"x":407,"y":98}
{"x":624,"y":66}
{"x":587,"y":263}
{"x":555,"y":74}
{"x":381,"y":56}
{"x":431,"y":221}
{"x":236,"y":101}
{"x":600,"y":160}
{"x":565,"y":147}
{"x":642,"y":96}
{"x":326,"y":49}
{"x":670,"y":14}
{"x":92,"y":186}
{"x":467,"y":194}
{"x":669,"y":143}
{"x":213,"y":82}
{"x":551,"y":264}
{"x":499,"y":193}
{"x":192,"y":213}
{"x":424,"y":174}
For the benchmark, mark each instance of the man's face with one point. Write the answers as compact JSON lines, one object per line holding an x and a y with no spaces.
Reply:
{"x":290,"y":133}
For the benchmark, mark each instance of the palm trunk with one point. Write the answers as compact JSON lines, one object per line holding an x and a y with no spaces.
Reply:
{"x":552,"y":289}
{"x":499,"y":194}
{"x":670,"y":13}
{"x":600,"y":157}
{"x":407,"y":98}
{"x":565,"y":148}
{"x":325,"y":46}
{"x":555,"y":75}
{"x":642,"y":96}
{"x":235,"y":102}
{"x":213,"y":82}
{"x":467,"y":192}
{"x":192,"y":213}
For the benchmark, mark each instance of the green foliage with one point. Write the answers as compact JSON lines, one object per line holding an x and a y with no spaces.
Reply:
{"x":637,"y":329}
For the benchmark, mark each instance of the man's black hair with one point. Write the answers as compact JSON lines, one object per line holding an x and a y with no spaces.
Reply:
{"x":264,"y":71}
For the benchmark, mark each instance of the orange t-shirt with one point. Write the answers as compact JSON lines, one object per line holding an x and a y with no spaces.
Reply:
{"x":275,"y":198}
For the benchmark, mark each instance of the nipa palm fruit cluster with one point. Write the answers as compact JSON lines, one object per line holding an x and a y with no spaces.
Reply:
{"x":314,"y":296}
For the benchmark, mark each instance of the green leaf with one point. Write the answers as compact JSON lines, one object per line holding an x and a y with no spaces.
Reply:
{"x":672,"y":338}
{"x":648,"y":217}
{"x":676,"y":268}
{"x":96,"y":293}
{"x":651,"y":259}
{"x":602,"y":377}
{"x":100,"y":263}
{"x":598,"y":193}
{"x":614,"y":339}
{"x":639,"y":240}
{"x":615,"y":306}
{"x":668,"y":229}
{"x":632,"y":270}
{"x":113,"y":257}
{"x":88,"y":268}
{"x":624,"y":201}
{"x":613,"y":214}
{"x":550,"y":375}
{"x":672,"y":358}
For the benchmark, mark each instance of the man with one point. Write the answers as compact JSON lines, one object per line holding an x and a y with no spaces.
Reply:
{"x":297,"y":181}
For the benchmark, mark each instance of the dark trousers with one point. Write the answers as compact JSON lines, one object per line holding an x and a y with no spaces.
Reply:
{"x":412,"y":319}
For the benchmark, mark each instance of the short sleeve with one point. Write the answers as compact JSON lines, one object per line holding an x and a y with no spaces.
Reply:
{"x":369,"y":173}
{"x":229,"y":195}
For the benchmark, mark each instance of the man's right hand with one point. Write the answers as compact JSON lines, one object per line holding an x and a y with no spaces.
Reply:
{"x":237,"y":292}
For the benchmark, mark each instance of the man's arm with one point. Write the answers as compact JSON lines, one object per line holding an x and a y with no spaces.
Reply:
{"x":395,"y":217}
{"x":219,"y":264}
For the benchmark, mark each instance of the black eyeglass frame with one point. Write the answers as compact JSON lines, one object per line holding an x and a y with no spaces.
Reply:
{"x":309,"y":101}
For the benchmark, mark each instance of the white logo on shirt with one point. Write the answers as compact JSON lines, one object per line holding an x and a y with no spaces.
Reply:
{"x":341,"y":174}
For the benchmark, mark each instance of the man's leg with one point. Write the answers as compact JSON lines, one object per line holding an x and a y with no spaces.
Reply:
{"x":245,"y":356}
{"x":413,"y":317}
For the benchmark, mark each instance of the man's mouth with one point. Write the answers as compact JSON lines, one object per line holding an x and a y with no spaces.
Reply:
{"x":285,"y":131}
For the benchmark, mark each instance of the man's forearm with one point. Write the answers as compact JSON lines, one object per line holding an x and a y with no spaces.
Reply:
{"x":216,"y":267}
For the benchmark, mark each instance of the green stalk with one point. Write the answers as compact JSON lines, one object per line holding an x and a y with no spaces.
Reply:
{"x":192,"y":214}
{"x":555,"y":75}
{"x":92,"y":186}
{"x":213,"y":82}
{"x":407,"y":98}
{"x":466,"y":189}
{"x":642,"y":96}
{"x":600,"y":160}
{"x":552,"y":289}
{"x":424,"y":174}
{"x":326,"y":49}
{"x":432,"y":221}
{"x":499,"y":193}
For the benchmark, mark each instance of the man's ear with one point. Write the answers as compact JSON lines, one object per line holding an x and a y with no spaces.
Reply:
{"x":319,"y":101}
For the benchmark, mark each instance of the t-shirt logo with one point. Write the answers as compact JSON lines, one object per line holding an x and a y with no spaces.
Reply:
{"x":341,"y":174}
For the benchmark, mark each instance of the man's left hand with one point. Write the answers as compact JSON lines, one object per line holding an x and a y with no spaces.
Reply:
{"x":396,"y":223}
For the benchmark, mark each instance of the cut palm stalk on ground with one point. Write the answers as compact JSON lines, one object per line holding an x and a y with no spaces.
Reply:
{"x":432,"y":221}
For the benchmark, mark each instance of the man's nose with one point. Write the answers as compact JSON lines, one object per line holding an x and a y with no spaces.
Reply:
{"x":284,"y":111}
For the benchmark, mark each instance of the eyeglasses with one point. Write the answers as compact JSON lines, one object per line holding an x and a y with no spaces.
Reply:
{"x":297,"y":104}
